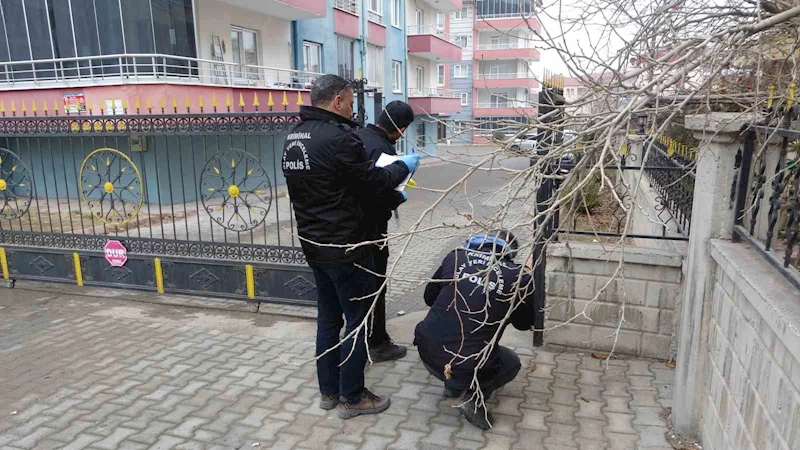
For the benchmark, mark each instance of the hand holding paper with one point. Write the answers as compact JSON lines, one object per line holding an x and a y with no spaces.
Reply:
{"x":411,"y":161}
{"x":385,"y":160}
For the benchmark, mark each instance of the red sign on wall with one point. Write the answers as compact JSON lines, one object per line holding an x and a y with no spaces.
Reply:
{"x":74,"y":103}
{"x":116,"y":253}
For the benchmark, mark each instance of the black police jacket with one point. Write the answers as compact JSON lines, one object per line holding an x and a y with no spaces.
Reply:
{"x":378,"y":204}
{"x":477,"y":303}
{"x":326,"y":170}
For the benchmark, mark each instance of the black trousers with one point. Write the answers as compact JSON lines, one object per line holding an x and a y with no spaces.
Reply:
{"x":337,"y":285}
{"x":504,"y":369}
{"x":379,"y":335}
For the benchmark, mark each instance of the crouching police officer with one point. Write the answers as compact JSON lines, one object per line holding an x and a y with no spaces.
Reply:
{"x":326,"y":169}
{"x":471,"y":293}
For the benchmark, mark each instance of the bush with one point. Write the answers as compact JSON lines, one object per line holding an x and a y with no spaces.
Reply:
{"x":590,"y":195}
{"x":499,"y":136}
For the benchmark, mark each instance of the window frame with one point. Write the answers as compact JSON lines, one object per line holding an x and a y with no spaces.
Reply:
{"x":463,"y":13}
{"x":460,"y":70}
{"x":318,"y":47}
{"x":441,"y":75}
{"x":397,"y":8}
{"x":464,"y":98}
{"x":375,"y":69}
{"x":397,"y":77}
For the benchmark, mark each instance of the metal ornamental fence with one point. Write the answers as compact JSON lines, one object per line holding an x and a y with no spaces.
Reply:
{"x":193,"y":199}
{"x":767,"y":190}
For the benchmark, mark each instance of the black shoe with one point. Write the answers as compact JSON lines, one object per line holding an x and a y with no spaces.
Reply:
{"x":328,"y":402}
{"x":477,"y":416}
{"x":387,"y":352}
{"x":451,"y":393}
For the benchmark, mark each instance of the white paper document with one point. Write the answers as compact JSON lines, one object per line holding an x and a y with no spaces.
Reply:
{"x":384,"y":161}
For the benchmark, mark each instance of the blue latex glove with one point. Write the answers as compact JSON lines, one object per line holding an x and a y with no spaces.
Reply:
{"x":405,"y":196}
{"x":411,"y":161}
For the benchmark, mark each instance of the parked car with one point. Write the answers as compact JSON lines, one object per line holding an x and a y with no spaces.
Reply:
{"x":525,"y":144}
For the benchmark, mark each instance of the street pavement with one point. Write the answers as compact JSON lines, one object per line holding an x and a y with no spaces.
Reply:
{"x":483,"y":198}
{"x":106,"y":369}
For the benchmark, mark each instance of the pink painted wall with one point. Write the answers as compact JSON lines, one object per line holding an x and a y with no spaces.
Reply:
{"x":515,"y":82}
{"x":377,"y":34}
{"x":97,"y":95}
{"x":496,"y":112}
{"x":434,"y":105}
{"x":345,"y":23}
{"x":510,"y":53}
{"x":316,"y":7}
{"x":427,"y":43}
{"x":508,"y":24}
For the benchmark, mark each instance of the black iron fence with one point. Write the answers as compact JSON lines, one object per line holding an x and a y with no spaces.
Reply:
{"x":767,"y":192}
{"x":194,"y":198}
{"x":670,"y":169}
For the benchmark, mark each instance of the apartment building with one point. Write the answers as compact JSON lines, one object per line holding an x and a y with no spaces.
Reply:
{"x":112,"y":53}
{"x":504,"y":62}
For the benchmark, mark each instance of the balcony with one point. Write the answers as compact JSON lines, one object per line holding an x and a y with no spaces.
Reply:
{"x":433,"y":43}
{"x":506,"y":50}
{"x":434,"y":101}
{"x":345,"y":18}
{"x":126,"y":69}
{"x":284,"y":9}
{"x":507,"y":21}
{"x":445,"y":5}
{"x":502,"y":80}
{"x":504,"y":108}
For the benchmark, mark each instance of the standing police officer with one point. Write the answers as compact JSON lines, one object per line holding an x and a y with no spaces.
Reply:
{"x":378,"y":139}
{"x":326,"y":170}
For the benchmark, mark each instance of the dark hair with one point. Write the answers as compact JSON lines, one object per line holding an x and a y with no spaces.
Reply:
{"x":395,"y":115}
{"x":326,"y":88}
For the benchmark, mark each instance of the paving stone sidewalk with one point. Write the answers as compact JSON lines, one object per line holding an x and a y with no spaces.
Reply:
{"x":91,"y":380}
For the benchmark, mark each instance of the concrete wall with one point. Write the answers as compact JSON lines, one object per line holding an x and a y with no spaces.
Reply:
{"x":649,"y":292}
{"x":751,"y":391}
{"x":274,"y":34}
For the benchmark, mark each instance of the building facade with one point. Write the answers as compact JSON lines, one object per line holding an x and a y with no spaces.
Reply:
{"x":456,"y":64}
{"x":505,"y":88}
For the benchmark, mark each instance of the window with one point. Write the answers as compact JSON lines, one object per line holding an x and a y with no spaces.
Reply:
{"x":376,"y":11}
{"x":440,"y":21}
{"x":312,"y":57}
{"x":420,"y":135}
{"x":45,"y":29}
{"x":419,"y":18}
{"x":463,"y":14}
{"x":397,"y":76}
{"x":460,"y":71}
{"x":244,"y":51}
{"x":499,"y":100}
{"x":397,"y":9}
{"x":498,"y":72}
{"x":500,"y":42}
{"x":344,"y":52}
{"x":464,"y":99}
{"x":420,"y":79}
{"x":375,"y":65}
{"x":440,"y":74}
{"x":504,"y":8}
{"x":400,"y":146}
